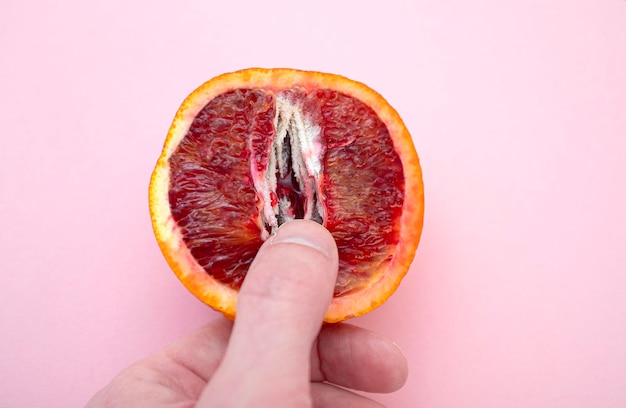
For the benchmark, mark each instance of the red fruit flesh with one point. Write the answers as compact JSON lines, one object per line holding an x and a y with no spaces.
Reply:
{"x":230,"y":186}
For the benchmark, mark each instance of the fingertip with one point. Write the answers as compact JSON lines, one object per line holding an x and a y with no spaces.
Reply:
{"x":300,"y":259}
{"x":360,"y":359}
{"x":394,"y":363}
{"x":306,"y":233}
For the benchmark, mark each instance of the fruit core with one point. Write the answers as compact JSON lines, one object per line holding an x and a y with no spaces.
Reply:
{"x":255,"y":158}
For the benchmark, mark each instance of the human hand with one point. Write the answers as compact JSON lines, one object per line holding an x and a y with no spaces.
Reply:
{"x":277,"y":353}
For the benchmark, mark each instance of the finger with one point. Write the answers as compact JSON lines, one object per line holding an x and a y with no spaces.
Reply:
{"x":280,"y":308}
{"x":287,"y":291}
{"x":359,"y":359}
{"x":327,"y":395}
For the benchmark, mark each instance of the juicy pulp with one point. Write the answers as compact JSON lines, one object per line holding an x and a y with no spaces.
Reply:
{"x":254,"y":158}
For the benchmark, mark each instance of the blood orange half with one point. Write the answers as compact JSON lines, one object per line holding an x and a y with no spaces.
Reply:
{"x":250,"y":150}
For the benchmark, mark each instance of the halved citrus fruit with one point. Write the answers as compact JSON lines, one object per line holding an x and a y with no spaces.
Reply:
{"x":252,"y":149}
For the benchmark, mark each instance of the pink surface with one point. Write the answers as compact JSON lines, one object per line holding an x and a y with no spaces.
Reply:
{"x":516,"y":297}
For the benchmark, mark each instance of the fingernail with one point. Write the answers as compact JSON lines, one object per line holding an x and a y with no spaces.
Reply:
{"x":307,"y":233}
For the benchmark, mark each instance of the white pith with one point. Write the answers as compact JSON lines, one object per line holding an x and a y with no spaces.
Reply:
{"x":306,"y":162}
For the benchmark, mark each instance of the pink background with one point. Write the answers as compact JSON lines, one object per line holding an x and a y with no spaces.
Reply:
{"x":518,"y":110}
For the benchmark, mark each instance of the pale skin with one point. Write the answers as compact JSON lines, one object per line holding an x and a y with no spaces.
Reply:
{"x":277,"y":353}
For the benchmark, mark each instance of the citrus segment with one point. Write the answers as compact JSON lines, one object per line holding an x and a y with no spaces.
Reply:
{"x":253,"y":149}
